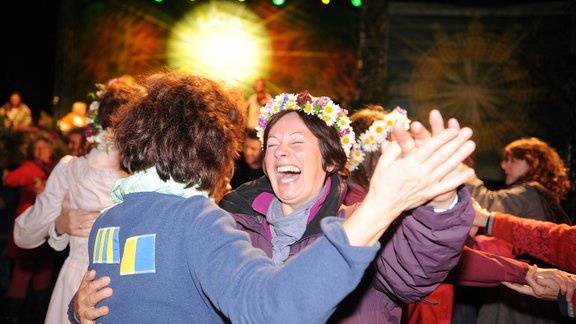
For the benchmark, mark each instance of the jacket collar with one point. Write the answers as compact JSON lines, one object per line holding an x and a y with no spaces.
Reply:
{"x":253,"y":199}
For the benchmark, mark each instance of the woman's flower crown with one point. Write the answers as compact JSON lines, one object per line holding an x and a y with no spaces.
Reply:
{"x":321,"y":107}
{"x":95,"y":134}
{"x":377,"y":133}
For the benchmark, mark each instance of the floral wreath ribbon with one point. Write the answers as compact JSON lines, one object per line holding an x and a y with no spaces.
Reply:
{"x":322,"y":107}
{"x":334,"y":116}
{"x":377,"y":133}
{"x":95,"y":134}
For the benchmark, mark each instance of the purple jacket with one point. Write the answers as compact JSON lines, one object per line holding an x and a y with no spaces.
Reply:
{"x":418,"y":250}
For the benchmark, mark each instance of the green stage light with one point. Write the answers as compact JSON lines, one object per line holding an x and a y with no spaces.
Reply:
{"x":356,"y":3}
{"x":278,"y":2}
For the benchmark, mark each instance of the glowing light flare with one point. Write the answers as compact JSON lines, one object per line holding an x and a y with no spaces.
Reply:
{"x":222,"y":40}
{"x":326,"y":2}
{"x":356,"y":3}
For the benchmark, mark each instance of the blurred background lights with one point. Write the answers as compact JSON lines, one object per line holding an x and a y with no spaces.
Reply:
{"x":223,"y":40}
{"x":356,"y":3}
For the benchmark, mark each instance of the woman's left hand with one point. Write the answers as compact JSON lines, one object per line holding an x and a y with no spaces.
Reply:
{"x":90,"y":293}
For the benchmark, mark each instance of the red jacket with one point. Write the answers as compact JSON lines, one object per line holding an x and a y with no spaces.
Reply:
{"x":549,"y":242}
{"x":23,"y":178}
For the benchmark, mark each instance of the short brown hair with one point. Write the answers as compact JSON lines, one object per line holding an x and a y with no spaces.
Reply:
{"x":545,"y":165}
{"x":330,"y":147}
{"x":188,"y":126}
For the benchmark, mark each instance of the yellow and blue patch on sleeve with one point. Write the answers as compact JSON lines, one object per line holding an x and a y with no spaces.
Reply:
{"x":139,"y":255}
{"x":106,"y":246}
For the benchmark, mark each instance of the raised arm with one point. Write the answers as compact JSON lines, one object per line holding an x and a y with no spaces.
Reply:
{"x":426,"y":244}
{"x":424,"y":173}
{"x":423,"y":248}
{"x":418,"y":136}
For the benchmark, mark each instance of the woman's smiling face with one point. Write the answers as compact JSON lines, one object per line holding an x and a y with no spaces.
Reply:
{"x":293,"y":162}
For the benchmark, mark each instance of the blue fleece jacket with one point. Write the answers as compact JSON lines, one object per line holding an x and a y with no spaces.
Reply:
{"x":174,"y":260}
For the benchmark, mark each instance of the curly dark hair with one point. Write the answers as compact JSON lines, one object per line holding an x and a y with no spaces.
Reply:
{"x":188,"y":126}
{"x":545,"y":165}
{"x":360,"y":122}
{"x":330,"y":147}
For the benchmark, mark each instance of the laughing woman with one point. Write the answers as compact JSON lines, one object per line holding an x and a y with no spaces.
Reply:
{"x":306,"y":147}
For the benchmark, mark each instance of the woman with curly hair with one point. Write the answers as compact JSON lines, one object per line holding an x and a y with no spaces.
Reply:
{"x":536,"y":180}
{"x":536,"y":183}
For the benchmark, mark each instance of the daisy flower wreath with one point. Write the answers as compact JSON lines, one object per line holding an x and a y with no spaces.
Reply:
{"x":377,"y":133}
{"x":321,"y":107}
{"x":95,"y":134}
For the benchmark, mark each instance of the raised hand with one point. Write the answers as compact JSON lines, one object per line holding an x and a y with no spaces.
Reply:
{"x":427,"y":170}
{"x":402,"y":182}
{"x":418,"y":136}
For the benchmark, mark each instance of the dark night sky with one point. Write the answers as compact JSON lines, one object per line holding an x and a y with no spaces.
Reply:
{"x":28,"y":32}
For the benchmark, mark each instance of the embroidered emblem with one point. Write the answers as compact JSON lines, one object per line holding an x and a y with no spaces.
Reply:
{"x":139,"y":255}
{"x":106,"y":246}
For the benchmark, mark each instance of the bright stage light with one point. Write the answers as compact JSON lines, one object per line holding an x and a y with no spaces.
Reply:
{"x":223,"y":40}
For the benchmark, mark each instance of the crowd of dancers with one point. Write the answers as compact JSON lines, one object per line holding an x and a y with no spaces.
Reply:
{"x":324,"y":217}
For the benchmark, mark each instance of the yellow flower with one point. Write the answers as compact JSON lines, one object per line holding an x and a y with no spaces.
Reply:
{"x":346,"y":140}
{"x":343,"y":122}
{"x":329,"y":119}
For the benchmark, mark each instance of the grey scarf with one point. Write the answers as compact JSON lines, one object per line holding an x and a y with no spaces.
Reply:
{"x":287,"y":229}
